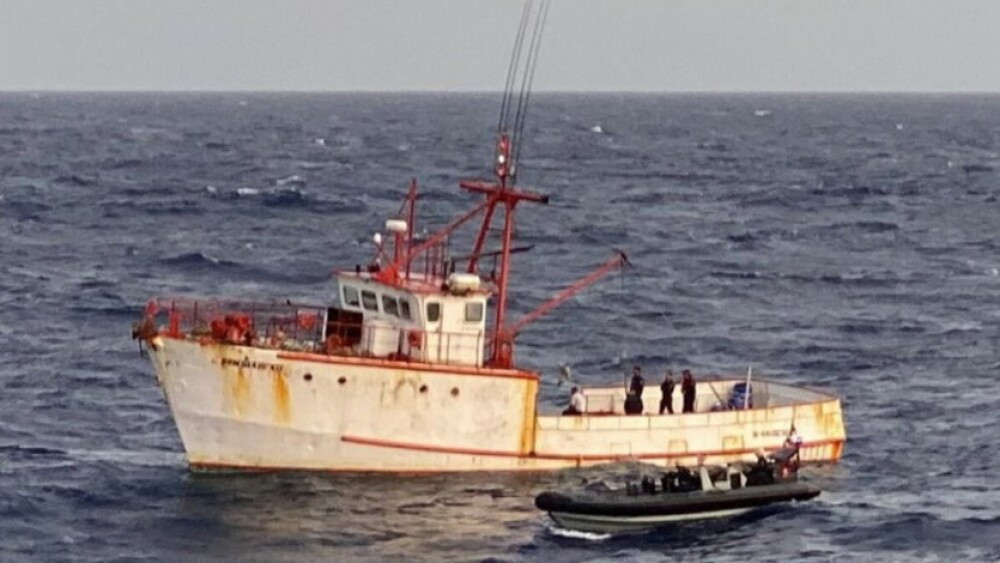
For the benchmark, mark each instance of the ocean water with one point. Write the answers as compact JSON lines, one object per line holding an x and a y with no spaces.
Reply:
{"x":848,"y":243}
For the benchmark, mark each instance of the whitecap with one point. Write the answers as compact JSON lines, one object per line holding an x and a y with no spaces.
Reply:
{"x":967,"y":326}
{"x":247,"y":191}
{"x":320,"y":141}
{"x":596,"y":129}
{"x":762,"y":112}
{"x":294,"y":180}
{"x":211,"y":189}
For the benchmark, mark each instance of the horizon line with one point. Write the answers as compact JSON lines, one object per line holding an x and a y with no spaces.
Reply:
{"x":31,"y":91}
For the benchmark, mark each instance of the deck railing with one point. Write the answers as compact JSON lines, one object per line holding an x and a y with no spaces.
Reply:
{"x":296,"y":327}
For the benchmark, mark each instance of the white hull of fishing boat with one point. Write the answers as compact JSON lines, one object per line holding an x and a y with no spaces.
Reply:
{"x":242,"y":407}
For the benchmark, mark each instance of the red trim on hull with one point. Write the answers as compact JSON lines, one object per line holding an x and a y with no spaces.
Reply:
{"x":412,"y":366}
{"x":208,"y":466}
{"x":566,"y":457}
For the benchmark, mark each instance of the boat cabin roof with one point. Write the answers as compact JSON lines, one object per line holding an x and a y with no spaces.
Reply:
{"x":417,"y":284}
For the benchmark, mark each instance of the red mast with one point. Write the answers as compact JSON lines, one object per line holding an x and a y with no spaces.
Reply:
{"x":496,"y":193}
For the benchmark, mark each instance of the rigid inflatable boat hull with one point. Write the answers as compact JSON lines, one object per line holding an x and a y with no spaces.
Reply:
{"x":614,"y":511}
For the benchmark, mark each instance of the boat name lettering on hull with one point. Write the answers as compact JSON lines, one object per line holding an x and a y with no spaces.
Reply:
{"x":246,"y":363}
{"x":769,"y":433}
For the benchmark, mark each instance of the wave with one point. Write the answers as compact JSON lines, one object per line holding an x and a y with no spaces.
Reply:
{"x":201,"y":264}
{"x":293,"y":180}
{"x":851,"y":328}
{"x":863,"y":279}
{"x":737,"y":275}
{"x":935,"y":534}
{"x":714,"y":146}
{"x":959,"y":327}
{"x":74,"y":180}
{"x":125,"y":163}
{"x":24,"y":209}
{"x":198,"y":261}
{"x":976,"y":168}
{"x":852,"y":192}
{"x":287,"y":197}
{"x":18,"y":451}
{"x":643,"y":198}
{"x":122,"y":311}
{"x":217,"y":146}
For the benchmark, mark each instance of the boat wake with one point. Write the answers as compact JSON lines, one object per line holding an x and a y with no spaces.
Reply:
{"x":576,"y":535}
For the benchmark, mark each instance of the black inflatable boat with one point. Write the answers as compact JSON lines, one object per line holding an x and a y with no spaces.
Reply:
{"x":680,"y":495}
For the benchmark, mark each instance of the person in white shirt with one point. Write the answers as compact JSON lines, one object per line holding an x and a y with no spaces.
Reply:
{"x":577,"y":403}
{"x":793,"y":440}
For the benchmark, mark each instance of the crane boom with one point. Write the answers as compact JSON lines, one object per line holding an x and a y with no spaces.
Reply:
{"x":620,"y":260}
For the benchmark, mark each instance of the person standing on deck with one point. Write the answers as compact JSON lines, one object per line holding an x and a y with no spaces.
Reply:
{"x":688,"y":390}
{"x":667,"y":387}
{"x":577,"y":403}
{"x":638,"y":383}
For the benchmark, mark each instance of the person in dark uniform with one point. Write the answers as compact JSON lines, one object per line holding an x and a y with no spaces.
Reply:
{"x":633,"y":398}
{"x":667,"y":387}
{"x":688,"y":390}
{"x":638,"y":383}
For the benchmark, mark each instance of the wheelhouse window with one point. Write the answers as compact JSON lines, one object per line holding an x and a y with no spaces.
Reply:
{"x":389,"y":305}
{"x":473,"y":312}
{"x":351,"y":298}
{"x":369,"y":300}
{"x":404,"y":308}
{"x":433,"y":312}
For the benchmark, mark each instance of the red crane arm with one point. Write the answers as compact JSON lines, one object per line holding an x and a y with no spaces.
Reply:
{"x":619,"y":261}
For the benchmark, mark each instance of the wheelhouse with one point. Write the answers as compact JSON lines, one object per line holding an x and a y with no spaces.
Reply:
{"x":417,"y":319}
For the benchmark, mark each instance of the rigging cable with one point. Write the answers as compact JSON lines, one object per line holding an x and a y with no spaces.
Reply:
{"x":513,"y":67}
{"x":520,"y":76}
{"x":527,"y":80}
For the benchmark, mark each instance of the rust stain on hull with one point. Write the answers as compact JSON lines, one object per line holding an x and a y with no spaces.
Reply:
{"x":235,"y":391}
{"x":282,"y":400}
{"x":528,"y":420}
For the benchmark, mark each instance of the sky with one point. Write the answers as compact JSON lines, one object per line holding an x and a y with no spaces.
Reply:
{"x":464,"y":45}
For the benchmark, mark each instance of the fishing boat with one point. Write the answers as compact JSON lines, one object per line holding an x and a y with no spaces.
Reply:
{"x":680,"y":495}
{"x":412,"y":368}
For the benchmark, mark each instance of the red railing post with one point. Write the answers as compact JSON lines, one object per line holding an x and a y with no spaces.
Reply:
{"x":173,"y":321}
